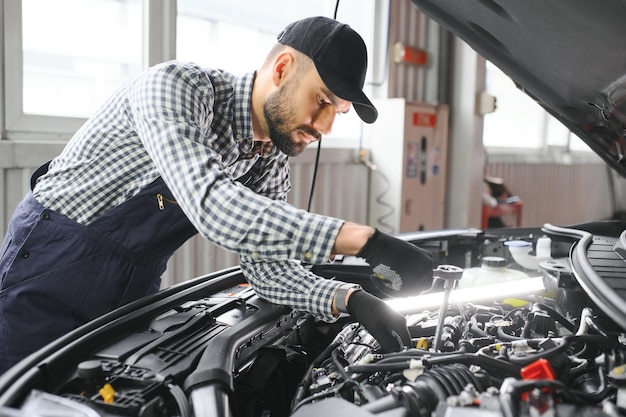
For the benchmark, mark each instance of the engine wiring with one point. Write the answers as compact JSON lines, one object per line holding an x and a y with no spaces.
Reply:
{"x":502,"y":358}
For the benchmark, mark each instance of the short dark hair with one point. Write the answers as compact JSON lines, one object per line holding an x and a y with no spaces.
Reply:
{"x":303,"y":62}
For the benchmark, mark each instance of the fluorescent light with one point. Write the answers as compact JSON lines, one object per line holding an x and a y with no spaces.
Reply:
{"x":491,"y":292}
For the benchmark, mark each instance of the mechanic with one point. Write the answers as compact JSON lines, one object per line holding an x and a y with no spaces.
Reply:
{"x":182,"y":149}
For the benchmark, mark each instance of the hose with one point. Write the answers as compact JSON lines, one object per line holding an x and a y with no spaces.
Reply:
{"x":181,"y":400}
{"x":566,"y":342}
{"x":486,"y":362}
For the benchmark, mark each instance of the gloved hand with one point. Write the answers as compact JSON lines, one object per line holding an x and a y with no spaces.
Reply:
{"x":384,"y":323}
{"x":400,"y":268}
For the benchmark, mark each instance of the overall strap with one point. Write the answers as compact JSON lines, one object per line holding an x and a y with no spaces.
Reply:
{"x":246,"y":179}
{"x":38,"y":173}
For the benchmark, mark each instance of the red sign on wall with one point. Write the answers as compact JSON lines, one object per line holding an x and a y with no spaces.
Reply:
{"x":424,"y":119}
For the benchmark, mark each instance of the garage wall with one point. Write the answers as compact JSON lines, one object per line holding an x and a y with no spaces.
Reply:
{"x":560,"y":194}
{"x":415,"y":82}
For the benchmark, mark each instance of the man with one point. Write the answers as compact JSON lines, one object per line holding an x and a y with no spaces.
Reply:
{"x":180,"y":150}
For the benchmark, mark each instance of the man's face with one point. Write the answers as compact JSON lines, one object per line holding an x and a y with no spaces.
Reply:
{"x":300,"y":112}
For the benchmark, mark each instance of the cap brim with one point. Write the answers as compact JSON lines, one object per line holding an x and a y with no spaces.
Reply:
{"x":345,"y":90}
{"x":366,"y":111}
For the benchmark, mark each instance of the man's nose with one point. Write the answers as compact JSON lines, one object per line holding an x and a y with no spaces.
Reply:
{"x":324,"y":119}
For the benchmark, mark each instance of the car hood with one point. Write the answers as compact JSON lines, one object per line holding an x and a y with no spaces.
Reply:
{"x":567,"y":55}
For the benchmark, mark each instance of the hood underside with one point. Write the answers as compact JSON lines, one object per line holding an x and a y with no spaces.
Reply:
{"x":570,"y":56}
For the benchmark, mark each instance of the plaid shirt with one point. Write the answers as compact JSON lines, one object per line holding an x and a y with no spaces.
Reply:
{"x":193,"y":127}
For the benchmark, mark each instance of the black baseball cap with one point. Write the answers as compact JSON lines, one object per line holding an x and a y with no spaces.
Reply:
{"x":340,"y":57}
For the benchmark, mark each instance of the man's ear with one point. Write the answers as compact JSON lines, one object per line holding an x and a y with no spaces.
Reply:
{"x":284,"y":64}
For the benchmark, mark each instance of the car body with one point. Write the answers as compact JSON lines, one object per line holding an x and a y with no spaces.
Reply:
{"x":211,"y":347}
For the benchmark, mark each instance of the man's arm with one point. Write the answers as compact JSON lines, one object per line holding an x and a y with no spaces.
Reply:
{"x":289,"y":283}
{"x":351,"y":238}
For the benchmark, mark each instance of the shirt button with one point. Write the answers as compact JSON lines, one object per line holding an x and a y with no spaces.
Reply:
{"x":24,"y":254}
{"x":255,"y":255}
{"x":46,"y":216}
{"x":308,"y":255}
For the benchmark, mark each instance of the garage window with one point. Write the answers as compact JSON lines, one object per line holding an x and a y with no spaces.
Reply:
{"x":520,"y":123}
{"x":64,"y":57}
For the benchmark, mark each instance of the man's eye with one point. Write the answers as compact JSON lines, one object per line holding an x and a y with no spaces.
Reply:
{"x":322,"y":101}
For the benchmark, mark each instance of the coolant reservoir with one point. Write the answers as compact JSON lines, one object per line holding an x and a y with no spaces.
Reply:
{"x":492,"y":270}
{"x":520,"y":251}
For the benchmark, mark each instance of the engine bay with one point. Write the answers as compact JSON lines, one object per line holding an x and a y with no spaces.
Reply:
{"x":519,"y":322}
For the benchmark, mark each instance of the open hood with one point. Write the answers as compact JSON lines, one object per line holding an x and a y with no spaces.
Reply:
{"x":567,"y":55}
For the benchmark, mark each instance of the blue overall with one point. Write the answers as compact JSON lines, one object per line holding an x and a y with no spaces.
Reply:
{"x":56,"y":274}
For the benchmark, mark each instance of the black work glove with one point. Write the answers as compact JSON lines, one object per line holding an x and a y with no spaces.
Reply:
{"x":384,"y":323}
{"x":400,"y":268}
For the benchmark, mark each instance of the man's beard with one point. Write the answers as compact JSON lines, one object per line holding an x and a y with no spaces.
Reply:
{"x":278,"y":112}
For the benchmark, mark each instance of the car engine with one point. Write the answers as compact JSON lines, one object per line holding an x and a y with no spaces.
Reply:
{"x":551,"y":344}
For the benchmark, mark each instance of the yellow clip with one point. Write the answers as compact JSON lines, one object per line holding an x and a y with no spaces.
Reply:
{"x":515,"y":302}
{"x":108,"y":393}
{"x":422,"y":343}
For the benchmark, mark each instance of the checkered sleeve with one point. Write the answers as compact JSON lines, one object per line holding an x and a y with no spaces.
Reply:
{"x":172,"y":110}
{"x":289,"y":283}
